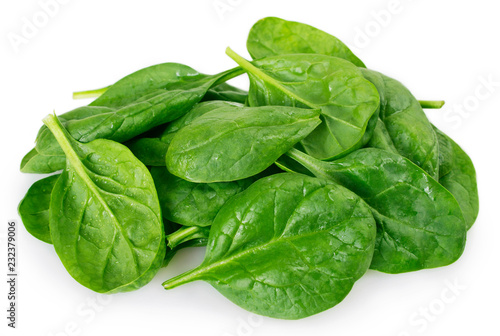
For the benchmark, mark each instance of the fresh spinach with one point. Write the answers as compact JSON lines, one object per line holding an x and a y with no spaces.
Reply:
{"x":34,"y":208}
{"x":348,"y":102}
{"x":294,"y":248}
{"x":105,"y":219}
{"x":273,"y":36}
{"x":150,"y":151}
{"x":419,"y":223}
{"x":226,"y":92}
{"x":234,"y":143}
{"x":457,"y":174}
{"x":134,"y":105}
{"x":370,"y":182}
{"x":403,"y":124}
{"x":193,"y":204}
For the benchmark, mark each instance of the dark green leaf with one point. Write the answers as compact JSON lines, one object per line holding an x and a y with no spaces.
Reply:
{"x":234,"y":143}
{"x":419,"y":223}
{"x":193,"y":204}
{"x":403,"y":124}
{"x":34,"y":208}
{"x":348,"y":102}
{"x":273,"y":36}
{"x":105,"y":216}
{"x":457,"y":174}
{"x":134,"y":105}
{"x":150,"y":151}
{"x":288,"y":247}
{"x":226,"y":92}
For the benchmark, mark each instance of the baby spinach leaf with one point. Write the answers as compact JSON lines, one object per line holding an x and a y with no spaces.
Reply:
{"x":34,"y":208}
{"x":419,"y":223}
{"x":289,"y":246}
{"x":274,"y":36}
{"x":193,"y":204}
{"x":457,"y":174}
{"x":234,"y":143}
{"x":35,"y":162}
{"x":226,"y":92}
{"x":105,"y":219}
{"x":150,"y":151}
{"x":134,"y":105}
{"x":347,"y":101}
{"x":197,"y":111}
{"x":403,"y":124}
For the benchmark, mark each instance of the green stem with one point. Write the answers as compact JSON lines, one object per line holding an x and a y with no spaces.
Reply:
{"x":224,"y":77}
{"x":182,"y":278}
{"x":228,"y":75}
{"x":61,"y":135}
{"x":69,"y":146}
{"x":309,"y":162}
{"x":89,"y":93}
{"x":431,"y":104}
{"x":250,"y":68}
{"x":186,"y":233}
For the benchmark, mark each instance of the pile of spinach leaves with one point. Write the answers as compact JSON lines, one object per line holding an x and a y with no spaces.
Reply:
{"x":321,"y":170}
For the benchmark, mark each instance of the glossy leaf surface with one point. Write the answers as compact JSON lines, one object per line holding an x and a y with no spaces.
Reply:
{"x":336,"y":87}
{"x":403,"y":124}
{"x":274,"y":36}
{"x":34,"y":208}
{"x":134,"y":105}
{"x":234,"y":143}
{"x":458,"y":175}
{"x":419,"y":223}
{"x":105,"y":216}
{"x":193,"y":204}
{"x":288,"y":247}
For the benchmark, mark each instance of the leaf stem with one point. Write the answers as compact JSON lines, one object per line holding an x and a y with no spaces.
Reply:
{"x":228,"y":75}
{"x":431,"y":104}
{"x":252,"y":69}
{"x":308,"y":162}
{"x":185,"y":234}
{"x":182,"y":278}
{"x":89,"y":93}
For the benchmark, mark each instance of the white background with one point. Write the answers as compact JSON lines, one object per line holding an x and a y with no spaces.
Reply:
{"x":440,"y":49}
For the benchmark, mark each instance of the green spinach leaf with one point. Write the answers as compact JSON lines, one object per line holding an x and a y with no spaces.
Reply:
{"x":289,"y":246}
{"x":234,"y":143}
{"x":34,"y":208}
{"x":134,"y":105}
{"x":419,"y":223}
{"x":348,"y":102}
{"x":193,"y":204}
{"x":457,"y":174}
{"x":150,"y":151}
{"x":105,"y":220}
{"x":403,"y":124}
{"x":273,"y":36}
{"x":226,"y":92}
